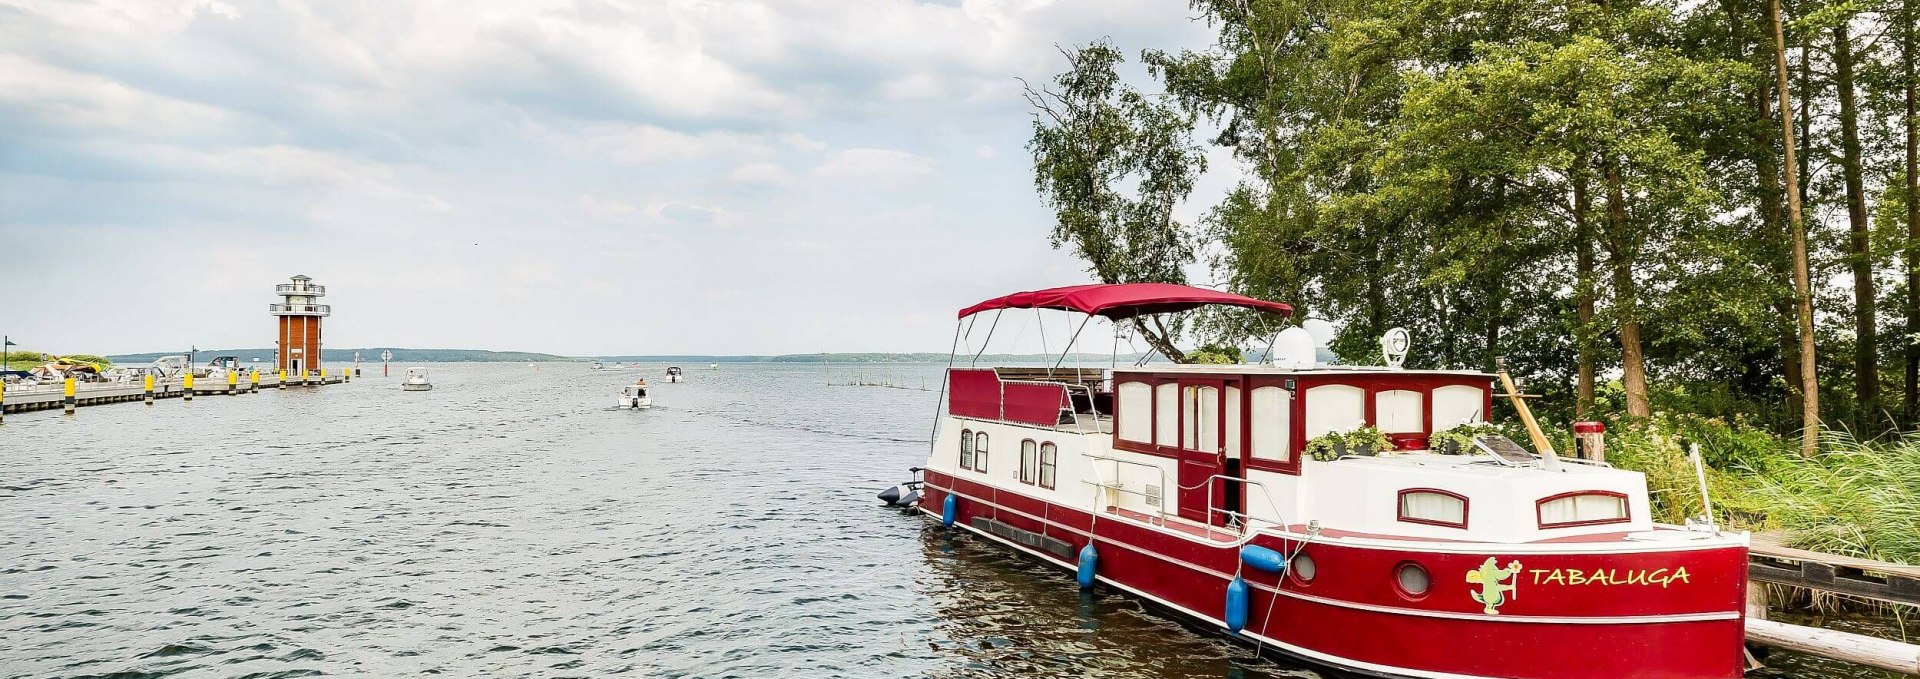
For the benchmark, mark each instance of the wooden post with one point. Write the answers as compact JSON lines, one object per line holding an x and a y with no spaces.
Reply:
{"x":186,"y":385}
{"x":146,"y":388}
{"x":1885,"y":654}
{"x":1539,"y":438}
{"x":67,"y":399}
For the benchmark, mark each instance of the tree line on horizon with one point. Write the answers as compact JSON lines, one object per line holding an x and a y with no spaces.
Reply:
{"x":1714,"y":201}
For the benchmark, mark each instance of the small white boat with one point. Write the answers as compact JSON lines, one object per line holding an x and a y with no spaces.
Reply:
{"x":674,"y":374}
{"x":634,"y":396}
{"x":416,"y":380}
{"x":597,"y":366}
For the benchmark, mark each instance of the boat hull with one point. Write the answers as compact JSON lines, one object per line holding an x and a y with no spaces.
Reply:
{"x":1664,"y":612}
{"x":412,"y":386}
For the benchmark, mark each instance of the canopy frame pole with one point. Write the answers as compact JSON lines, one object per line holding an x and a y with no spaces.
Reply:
{"x":1272,"y":341}
{"x":1076,"y":338}
{"x":988,"y":340}
{"x":1042,"y":322}
{"x":934,"y":440}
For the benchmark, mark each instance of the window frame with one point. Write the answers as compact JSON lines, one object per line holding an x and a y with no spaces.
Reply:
{"x":1400,"y":508}
{"x":1029,"y":461}
{"x":966,"y":449}
{"x":980,"y":444}
{"x":1049,"y":465}
{"x":1540,"y":505}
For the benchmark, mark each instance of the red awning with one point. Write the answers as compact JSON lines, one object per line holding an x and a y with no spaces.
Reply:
{"x":1124,"y":300}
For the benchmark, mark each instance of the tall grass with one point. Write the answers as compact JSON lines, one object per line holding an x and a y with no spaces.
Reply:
{"x":1857,"y":498}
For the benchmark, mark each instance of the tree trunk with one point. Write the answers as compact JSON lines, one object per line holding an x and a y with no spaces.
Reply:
{"x":1866,"y":358}
{"x":1626,"y":296}
{"x":1802,"y":286}
{"x":1583,"y":287}
{"x":1912,"y":402}
{"x":1157,"y":337}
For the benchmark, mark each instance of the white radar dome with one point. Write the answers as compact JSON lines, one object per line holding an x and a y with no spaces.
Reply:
{"x":1294,"y":349}
{"x":1321,"y":330}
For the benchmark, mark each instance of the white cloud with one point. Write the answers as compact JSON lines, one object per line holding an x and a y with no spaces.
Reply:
{"x":761,"y":173}
{"x":984,"y":152}
{"x":870,"y":164}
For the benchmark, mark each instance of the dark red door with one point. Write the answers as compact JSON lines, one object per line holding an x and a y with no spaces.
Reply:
{"x":1202,"y":449}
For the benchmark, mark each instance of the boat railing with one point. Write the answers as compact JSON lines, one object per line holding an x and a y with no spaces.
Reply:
{"x":1157,"y":501}
{"x":1245,"y":519}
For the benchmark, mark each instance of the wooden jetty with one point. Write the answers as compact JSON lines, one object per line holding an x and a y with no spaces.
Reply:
{"x":73,"y":394}
{"x":1770,"y":561}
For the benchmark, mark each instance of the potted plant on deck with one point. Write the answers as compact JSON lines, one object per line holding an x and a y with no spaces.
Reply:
{"x":1458,"y":439}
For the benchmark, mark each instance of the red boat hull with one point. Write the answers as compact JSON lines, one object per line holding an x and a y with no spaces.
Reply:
{"x":1605,"y":613}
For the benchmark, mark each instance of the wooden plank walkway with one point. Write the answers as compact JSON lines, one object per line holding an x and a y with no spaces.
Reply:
{"x":1769,"y":560}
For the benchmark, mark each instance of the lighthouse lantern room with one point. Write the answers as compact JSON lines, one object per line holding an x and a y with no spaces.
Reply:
{"x":299,"y":339}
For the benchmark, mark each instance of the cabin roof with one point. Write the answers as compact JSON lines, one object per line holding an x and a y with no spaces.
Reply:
{"x":1244,"y":369}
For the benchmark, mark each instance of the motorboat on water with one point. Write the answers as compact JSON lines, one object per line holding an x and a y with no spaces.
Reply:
{"x":1193,"y":487}
{"x":416,"y":380}
{"x":674,"y":374}
{"x":634,"y":396}
{"x":597,"y":366}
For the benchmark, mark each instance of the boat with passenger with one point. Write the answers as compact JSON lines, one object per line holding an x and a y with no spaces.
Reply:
{"x":1196,"y":489}
{"x":416,"y":380}
{"x":674,"y":374}
{"x":634,"y":396}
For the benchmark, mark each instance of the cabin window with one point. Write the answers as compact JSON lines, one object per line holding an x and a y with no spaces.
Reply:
{"x":966,"y":449}
{"x":1049,"y":464}
{"x":1272,"y":412}
{"x":1433,"y":507}
{"x":1136,"y":412}
{"x":1233,"y":422}
{"x":1200,"y":419}
{"x":1584,"y":508}
{"x":1335,"y":407}
{"x":1457,"y":404}
{"x":980,"y":452}
{"x":1029,"y":461}
{"x":1400,"y":411}
{"x":1166,"y":415}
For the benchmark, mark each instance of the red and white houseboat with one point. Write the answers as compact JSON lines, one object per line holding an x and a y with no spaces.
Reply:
{"x":1186,"y":485}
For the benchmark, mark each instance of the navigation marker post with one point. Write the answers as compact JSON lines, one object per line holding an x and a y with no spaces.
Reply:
{"x":385,"y":356}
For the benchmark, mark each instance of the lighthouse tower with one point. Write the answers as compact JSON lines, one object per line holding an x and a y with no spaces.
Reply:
{"x":299,"y":341}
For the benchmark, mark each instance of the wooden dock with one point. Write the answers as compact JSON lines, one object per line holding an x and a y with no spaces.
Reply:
{"x":16,"y":399}
{"x":1770,"y":561}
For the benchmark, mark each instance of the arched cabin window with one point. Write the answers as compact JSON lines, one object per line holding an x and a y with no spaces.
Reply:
{"x":1433,"y":507}
{"x":1271,"y":421}
{"x":1029,"y":461}
{"x":1582,"y":508}
{"x":1457,"y":404}
{"x":1166,"y":415}
{"x":966,"y":449}
{"x":1136,"y":412}
{"x":980,"y":452}
{"x":1335,"y":407}
{"x":1049,"y":464}
{"x":1400,"y":411}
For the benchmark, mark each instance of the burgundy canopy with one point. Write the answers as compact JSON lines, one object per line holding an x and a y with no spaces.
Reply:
{"x":1124,"y":300}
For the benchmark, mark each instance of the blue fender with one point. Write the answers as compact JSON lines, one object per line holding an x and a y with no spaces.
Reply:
{"x":1236,"y":605}
{"x":1089,"y":560}
{"x":949,"y":510}
{"x":1264,"y":559}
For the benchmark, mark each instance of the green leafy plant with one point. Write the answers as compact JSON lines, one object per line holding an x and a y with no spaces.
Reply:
{"x":1327,"y":447}
{"x":1458,"y":439}
{"x":1368,"y":440}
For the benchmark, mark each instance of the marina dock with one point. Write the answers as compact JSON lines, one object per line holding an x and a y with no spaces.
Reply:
{"x":73,"y":394}
{"x":1770,"y":561}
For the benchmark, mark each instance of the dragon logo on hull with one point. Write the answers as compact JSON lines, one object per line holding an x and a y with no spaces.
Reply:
{"x":1493,"y":584}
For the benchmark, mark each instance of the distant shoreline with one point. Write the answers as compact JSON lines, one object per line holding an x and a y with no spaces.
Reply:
{"x":372,"y":355}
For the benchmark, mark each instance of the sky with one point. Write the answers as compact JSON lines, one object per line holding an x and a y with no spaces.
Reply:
{"x":591,"y":177}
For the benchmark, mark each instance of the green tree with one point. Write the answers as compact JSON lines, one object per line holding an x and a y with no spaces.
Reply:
{"x":1113,"y":163}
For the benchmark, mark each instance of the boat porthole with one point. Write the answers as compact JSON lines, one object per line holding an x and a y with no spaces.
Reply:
{"x":1302,"y":569}
{"x":1411,"y":579}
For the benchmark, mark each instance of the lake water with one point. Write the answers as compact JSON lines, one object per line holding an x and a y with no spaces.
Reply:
{"x":512,"y":523}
